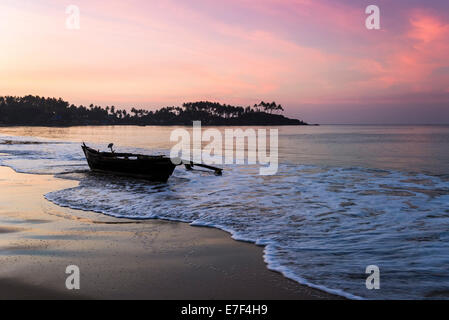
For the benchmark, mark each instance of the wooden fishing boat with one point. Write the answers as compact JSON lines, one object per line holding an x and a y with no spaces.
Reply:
{"x":154,"y":168}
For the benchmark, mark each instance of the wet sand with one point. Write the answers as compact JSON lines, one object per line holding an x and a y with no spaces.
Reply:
{"x":120,"y":258}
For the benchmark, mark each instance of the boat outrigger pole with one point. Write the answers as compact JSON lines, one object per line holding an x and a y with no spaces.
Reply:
{"x":190,"y":164}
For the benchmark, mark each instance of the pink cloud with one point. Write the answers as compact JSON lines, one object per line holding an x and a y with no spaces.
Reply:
{"x":427,"y":28}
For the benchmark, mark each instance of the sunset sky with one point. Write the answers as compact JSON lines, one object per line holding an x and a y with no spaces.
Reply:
{"x":315,"y":57}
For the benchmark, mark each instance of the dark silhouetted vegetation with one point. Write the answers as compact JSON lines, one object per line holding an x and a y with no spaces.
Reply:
{"x":39,"y":111}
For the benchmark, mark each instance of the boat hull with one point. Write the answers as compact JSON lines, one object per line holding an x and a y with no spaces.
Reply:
{"x":153,"y":168}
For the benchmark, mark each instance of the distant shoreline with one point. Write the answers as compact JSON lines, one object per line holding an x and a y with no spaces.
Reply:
{"x":151,"y":125}
{"x":51,"y":112}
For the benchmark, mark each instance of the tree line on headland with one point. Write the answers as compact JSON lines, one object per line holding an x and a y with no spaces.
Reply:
{"x":39,"y":111}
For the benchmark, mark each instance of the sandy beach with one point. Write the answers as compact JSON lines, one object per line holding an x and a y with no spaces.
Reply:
{"x":119,"y":258}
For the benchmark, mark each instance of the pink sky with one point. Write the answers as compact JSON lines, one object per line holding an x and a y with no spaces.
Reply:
{"x":314,"y":57}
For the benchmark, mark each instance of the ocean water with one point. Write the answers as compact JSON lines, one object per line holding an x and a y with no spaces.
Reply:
{"x":344,"y":197}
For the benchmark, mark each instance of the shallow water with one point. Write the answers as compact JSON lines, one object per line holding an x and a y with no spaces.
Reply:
{"x":345,"y":197}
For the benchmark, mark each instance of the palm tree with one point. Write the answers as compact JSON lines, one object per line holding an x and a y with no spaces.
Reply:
{"x":279,"y":108}
{"x":272,"y":107}
{"x":263,"y":105}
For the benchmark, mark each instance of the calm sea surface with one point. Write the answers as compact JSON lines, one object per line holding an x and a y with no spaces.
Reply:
{"x":345,"y":197}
